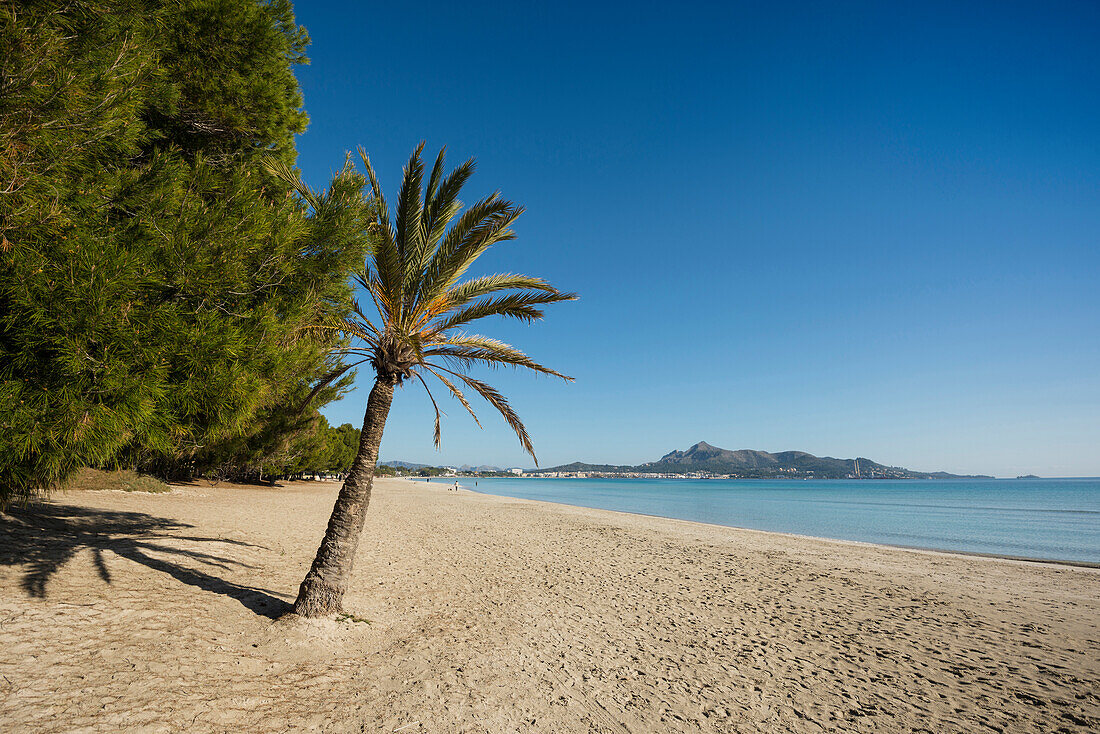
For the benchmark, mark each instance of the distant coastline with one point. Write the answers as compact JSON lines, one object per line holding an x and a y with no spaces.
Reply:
{"x":704,"y":461}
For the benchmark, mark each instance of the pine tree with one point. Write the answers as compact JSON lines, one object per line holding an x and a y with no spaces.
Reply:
{"x":156,"y":281}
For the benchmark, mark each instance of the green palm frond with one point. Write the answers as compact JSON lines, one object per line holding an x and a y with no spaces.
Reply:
{"x":438,"y":211}
{"x":387,"y":260}
{"x":280,"y":170}
{"x":454,"y":391}
{"x":463,"y":293}
{"x":513,"y":305}
{"x":362,"y":320}
{"x":434,"y":178}
{"x":358,"y":325}
{"x":478,"y":228}
{"x":444,"y":202}
{"x":498,"y":401}
{"x":327,"y":380}
{"x":409,"y":215}
{"x":476,"y":349}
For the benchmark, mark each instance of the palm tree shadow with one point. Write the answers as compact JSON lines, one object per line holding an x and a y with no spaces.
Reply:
{"x":43,"y":537}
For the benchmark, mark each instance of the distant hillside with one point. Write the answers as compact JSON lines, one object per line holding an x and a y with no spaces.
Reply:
{"x":405,"y":464}
{"x":702,"y":457}
{"x":412,"y":466}
{"x":577,"y":466}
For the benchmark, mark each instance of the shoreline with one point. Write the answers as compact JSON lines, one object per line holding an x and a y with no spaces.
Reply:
{"x":475,"y":612}
{"x":1085,"y":565}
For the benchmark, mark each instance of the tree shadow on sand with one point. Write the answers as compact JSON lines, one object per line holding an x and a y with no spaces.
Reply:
{"x":43,"y":537}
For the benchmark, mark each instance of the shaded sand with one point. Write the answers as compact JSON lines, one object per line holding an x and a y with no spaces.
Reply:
{"x":137,"y":611}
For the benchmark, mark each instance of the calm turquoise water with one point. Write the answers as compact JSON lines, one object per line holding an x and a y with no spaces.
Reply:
{"x":1042,"y":518}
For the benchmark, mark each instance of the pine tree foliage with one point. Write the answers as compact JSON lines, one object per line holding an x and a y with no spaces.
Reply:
{"x":320,"y":448}
{"x":156,"y":281}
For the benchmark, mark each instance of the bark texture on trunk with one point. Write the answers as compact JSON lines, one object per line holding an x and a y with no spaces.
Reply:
{"x":322,"y":591}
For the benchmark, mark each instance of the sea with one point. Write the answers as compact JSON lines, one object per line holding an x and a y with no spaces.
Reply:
{"x":1048,"y":519}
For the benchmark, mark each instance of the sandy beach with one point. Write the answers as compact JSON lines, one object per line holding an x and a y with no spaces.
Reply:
{"x":472,"y":613}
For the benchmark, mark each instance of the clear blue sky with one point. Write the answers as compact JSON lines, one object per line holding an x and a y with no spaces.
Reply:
{"x":848,"y":228}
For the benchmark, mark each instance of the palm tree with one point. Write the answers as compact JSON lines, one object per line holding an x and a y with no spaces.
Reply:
{"x":413,"y":278}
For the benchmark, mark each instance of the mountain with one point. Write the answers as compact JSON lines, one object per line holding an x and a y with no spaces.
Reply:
{"x":405,"y":464}
{"x":465,"y":467}
{"x":580,"y":466}
{"x":705,"y":458}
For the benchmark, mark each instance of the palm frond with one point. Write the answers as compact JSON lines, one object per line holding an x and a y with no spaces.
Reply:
{"x":463,"y":293}
{"x":435,"y":177}
{"x":445,"y":203}
{"x":437,"y":213}
{"x":289,"y":176}
{"x":454,"y":391}
{"x":327,"y":380}
{"x":344,"y":327}
{"x":352,"y":328}
{"x":387,"y":259}
{"x":477,"y":349}
{"x":438,"y":432}
{"x":498,"y":401}
{"x":513,"y":305}
{"x":409,"y":211}
{"x":357,"y":352}
{"x":389,"y":311}
{"x":482,"y":225}
{"x":492,"y":231}
{"x":358,"y":311}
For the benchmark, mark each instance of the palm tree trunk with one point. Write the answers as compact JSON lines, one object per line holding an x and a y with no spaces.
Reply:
{"x":322,"y":591}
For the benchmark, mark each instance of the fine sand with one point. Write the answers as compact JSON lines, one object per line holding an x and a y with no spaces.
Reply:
{"x":157,"y":612}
